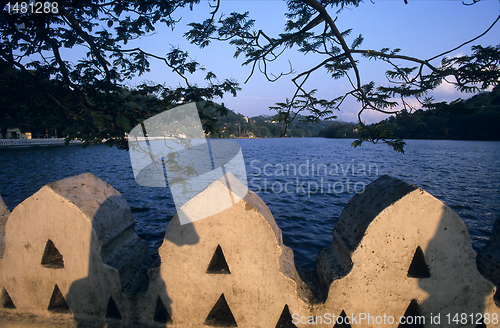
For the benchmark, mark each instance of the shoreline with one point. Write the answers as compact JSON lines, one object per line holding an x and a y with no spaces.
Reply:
{"x":7,"y":143}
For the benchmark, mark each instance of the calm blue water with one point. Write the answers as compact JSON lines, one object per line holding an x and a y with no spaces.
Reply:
{"x":305,"y":182}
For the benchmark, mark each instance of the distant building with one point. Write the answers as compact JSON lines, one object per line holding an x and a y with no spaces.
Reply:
{"x":13,"y":133}
{"x":245,"y":118}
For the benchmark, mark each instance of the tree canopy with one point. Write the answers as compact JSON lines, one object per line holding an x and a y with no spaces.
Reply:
{"x":91,"y":94}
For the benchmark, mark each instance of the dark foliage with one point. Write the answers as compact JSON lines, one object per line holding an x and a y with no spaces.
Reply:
{"x":48,"y":108}
{"x":340,"y":130}
{"x":90,"y":101}
{"x":476,"y":118}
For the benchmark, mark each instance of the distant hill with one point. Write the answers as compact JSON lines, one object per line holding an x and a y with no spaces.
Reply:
{"x":477,"y":118}
{"x":234,"y":125}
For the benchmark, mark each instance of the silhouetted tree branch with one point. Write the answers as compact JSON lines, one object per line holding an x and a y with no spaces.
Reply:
{"x":92,"y":93}
{"x":468,"y":73}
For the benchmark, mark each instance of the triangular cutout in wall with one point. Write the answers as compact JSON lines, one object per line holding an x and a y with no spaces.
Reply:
{"x":413,"y":310}
{"x":285,"y":320}
{"x":112,"y":310}
{"x":342,"y":323}
{"x":58,"y":302}
{"x":6,"y":300}
{"x":51,"y":257}
{"x":161,"y":313}
{"x":418,"y":267}
{"x":220,"y":315}
{"x":218,"y":264}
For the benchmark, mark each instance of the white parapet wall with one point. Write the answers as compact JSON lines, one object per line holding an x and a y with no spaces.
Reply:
{"x":399,"y":251}
{"x":233,"y":263}
{"x":71,"y":253}
{"x":72,"y":248}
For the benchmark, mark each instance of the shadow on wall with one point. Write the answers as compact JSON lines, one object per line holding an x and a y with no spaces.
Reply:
{"x":481,"y":309}
{"x":102,"y":300}
{"x":449,"y":276}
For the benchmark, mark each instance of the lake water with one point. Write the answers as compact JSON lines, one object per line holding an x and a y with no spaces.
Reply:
{"x":305,"y":182}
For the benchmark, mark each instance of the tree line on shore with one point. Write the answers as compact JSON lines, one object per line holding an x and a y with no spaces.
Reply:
{"x":476,"y":118}
{"x":234,"y":125}
{"x":25,"y":106}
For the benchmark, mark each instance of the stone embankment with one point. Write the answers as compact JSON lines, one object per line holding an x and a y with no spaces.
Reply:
{"x":35,"y":142}
{"x":72,"y":259}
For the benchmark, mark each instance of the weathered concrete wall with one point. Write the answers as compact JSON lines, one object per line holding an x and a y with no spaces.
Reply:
{"x":396,"y":245}
{"x":72,"y":245}
{"x":238,"y":253}
{"x":396,"y":251}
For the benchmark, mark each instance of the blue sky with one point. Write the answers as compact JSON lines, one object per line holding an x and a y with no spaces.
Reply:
{"x":420,"y":28}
